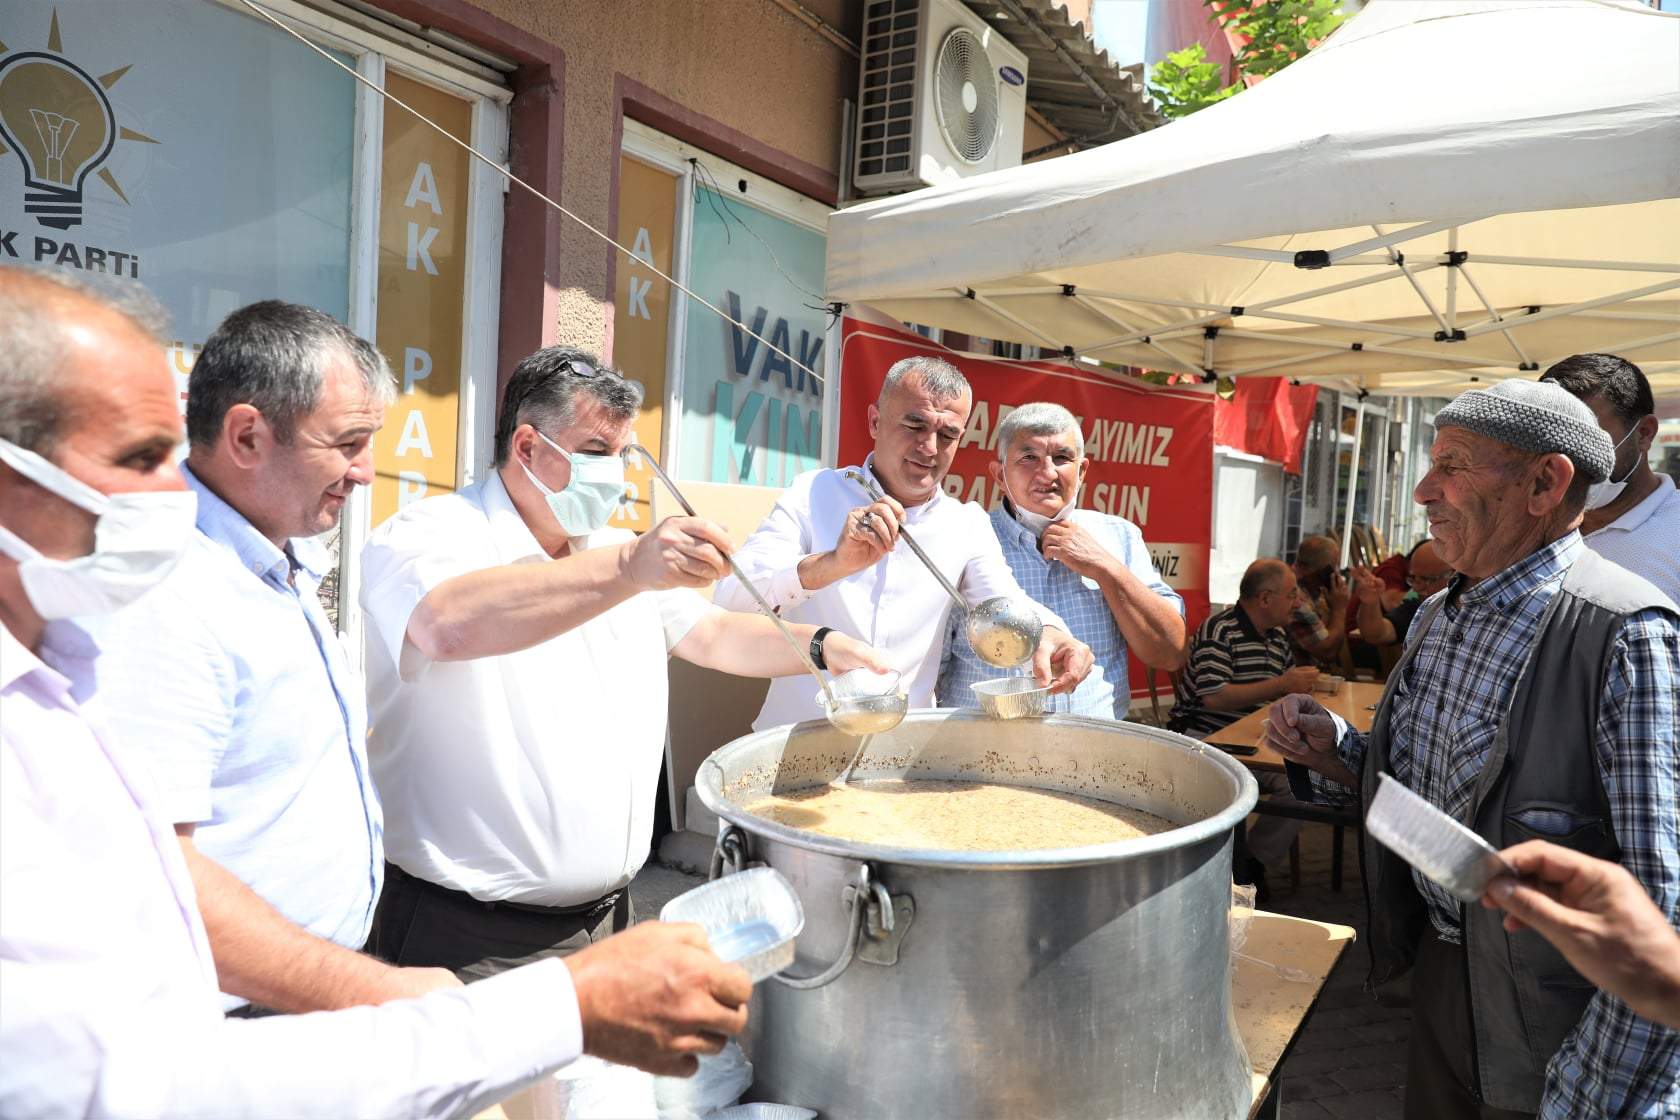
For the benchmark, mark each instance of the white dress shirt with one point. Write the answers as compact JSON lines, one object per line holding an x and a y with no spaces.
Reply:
{"x":108,"y":1003}
{"x":1646,"y":539}
{"x":529,"y":777}
{"x":896,"y":606}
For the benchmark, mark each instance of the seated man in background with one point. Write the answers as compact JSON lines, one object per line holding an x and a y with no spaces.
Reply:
{"x":1426,"y":573}
{"x":1240,"y":661}
{"x":1091,"y":568}
{"x":1318,"y":624}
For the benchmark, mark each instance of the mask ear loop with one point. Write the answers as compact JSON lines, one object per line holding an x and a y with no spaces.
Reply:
{"x":53,"y":478}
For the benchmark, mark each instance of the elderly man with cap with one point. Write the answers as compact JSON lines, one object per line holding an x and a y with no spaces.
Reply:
{"x":1537,"y":699}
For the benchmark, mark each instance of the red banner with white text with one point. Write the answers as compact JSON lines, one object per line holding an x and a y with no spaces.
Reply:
{"x":1151,"y":448}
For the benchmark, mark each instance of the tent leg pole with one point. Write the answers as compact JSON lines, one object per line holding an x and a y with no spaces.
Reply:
{"x":1353,"y":479}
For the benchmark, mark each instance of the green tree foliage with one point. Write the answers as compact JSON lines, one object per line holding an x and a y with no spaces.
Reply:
{"x":1276,"y":33}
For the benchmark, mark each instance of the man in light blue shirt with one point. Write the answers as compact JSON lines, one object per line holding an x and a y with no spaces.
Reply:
{"x":230,"y":679}
{"x":1090,"y":568}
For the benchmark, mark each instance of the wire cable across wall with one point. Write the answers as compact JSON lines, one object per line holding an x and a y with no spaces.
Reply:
{"x":517,"y":181}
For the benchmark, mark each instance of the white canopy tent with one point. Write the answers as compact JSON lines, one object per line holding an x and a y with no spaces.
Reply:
{"x":1444,"y":192}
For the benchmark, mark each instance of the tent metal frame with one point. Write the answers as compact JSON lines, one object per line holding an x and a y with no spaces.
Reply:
{"x":1457,"y":320}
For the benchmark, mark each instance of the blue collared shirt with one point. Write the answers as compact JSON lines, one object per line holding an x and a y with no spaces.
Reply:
{"x":1444,"y":715}
{"x":1078,"y":600}
{"x":229,"y":680}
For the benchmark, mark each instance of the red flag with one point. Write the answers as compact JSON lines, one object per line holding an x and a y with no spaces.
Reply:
{"x":1267,"y":416}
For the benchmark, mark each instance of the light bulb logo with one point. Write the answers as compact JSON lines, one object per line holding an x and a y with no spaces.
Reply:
{"x":58,"y":119}
{"x":55,"y":116}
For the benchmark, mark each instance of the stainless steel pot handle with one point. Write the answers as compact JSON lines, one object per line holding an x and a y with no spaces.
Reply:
{"x":729,"y":849}
{"x":876,"y":919}
{"x":857,"y":899}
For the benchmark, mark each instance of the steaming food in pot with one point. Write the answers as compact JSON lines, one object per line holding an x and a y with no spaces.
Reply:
{"x":965,"y":816}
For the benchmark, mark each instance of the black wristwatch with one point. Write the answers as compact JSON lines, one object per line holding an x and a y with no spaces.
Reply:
{"x":816,"y":645}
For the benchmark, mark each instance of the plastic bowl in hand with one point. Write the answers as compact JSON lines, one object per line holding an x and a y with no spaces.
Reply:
{"x":865,"y":702}
{"x":1011,"y":697}
{"x":750,"y":917}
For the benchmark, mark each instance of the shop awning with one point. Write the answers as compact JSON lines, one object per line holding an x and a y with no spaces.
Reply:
{"x":1070,"y":82}
{"x":1445,"y":192}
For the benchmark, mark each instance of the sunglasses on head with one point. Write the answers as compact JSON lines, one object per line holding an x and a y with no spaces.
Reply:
{"x":579,"y":368}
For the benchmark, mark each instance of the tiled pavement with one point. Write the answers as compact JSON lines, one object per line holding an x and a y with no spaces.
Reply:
{"x":1349,"y":1063}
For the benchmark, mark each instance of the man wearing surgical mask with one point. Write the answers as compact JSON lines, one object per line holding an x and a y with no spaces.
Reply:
{"x":108,"y":1001}
{"x":1633,"y":517}
{"x":517,"y":680}
{"x":1091,"y":568}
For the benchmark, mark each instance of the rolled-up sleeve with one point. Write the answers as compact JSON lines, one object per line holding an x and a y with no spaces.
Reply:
{"x":770,"y":557}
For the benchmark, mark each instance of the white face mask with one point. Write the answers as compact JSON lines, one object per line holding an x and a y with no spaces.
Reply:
{"x":1036,"y":523}
{"x":588,"y":500}
{"x":137,"y":540}
{"x":1601,"y":494}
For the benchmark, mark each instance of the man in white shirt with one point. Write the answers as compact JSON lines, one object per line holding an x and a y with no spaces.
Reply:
{"x":517,"y":681}
{"x":260,"y":752}
{"x":1633,"y":517}
{"x":826,"y":554}
{"x":108,"y":1001}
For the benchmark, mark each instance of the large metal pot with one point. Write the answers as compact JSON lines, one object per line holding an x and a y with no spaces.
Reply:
{"x":1074,"y":982}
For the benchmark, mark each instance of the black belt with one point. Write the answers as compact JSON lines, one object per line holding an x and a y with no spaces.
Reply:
{"x":599,"y":905}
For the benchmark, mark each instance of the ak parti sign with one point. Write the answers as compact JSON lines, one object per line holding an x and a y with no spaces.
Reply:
{"x":1150,"y":448}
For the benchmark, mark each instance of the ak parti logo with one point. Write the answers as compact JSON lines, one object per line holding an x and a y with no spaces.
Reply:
{"x":58,"y":120}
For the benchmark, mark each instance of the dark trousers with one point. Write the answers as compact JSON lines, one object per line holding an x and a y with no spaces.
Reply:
{"x":1440,"y":1078}
{"x":420,"y":924}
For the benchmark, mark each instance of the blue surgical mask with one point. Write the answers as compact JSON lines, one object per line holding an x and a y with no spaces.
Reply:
{"x":596,"y":489}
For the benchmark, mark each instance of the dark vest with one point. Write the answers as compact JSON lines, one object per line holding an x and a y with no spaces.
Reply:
{"x":1524,"y":997}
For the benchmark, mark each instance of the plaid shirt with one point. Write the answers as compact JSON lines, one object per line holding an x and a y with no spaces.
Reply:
{"x":1106,"y":693}
{"x":1445,"y":713}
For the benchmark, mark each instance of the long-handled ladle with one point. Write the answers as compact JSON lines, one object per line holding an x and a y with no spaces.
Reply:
{"x":1003,"y":631}
{"x":864,"y":715}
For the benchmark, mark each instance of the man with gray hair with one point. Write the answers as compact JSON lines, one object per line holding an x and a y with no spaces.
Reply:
{"x":1539,"y":697}
{"x":258,"y":738}
{"x":827,"y":554}
{"x":1091,"y":568}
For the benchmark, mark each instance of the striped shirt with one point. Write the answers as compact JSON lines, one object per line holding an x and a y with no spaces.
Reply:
{"x":1445,"y":713}
{"x":1228,"y":649}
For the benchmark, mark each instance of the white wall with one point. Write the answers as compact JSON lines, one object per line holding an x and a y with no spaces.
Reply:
{"x":1247,"y":518}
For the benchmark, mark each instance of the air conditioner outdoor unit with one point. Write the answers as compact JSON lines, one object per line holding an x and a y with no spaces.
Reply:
{"x":941,"y":96}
